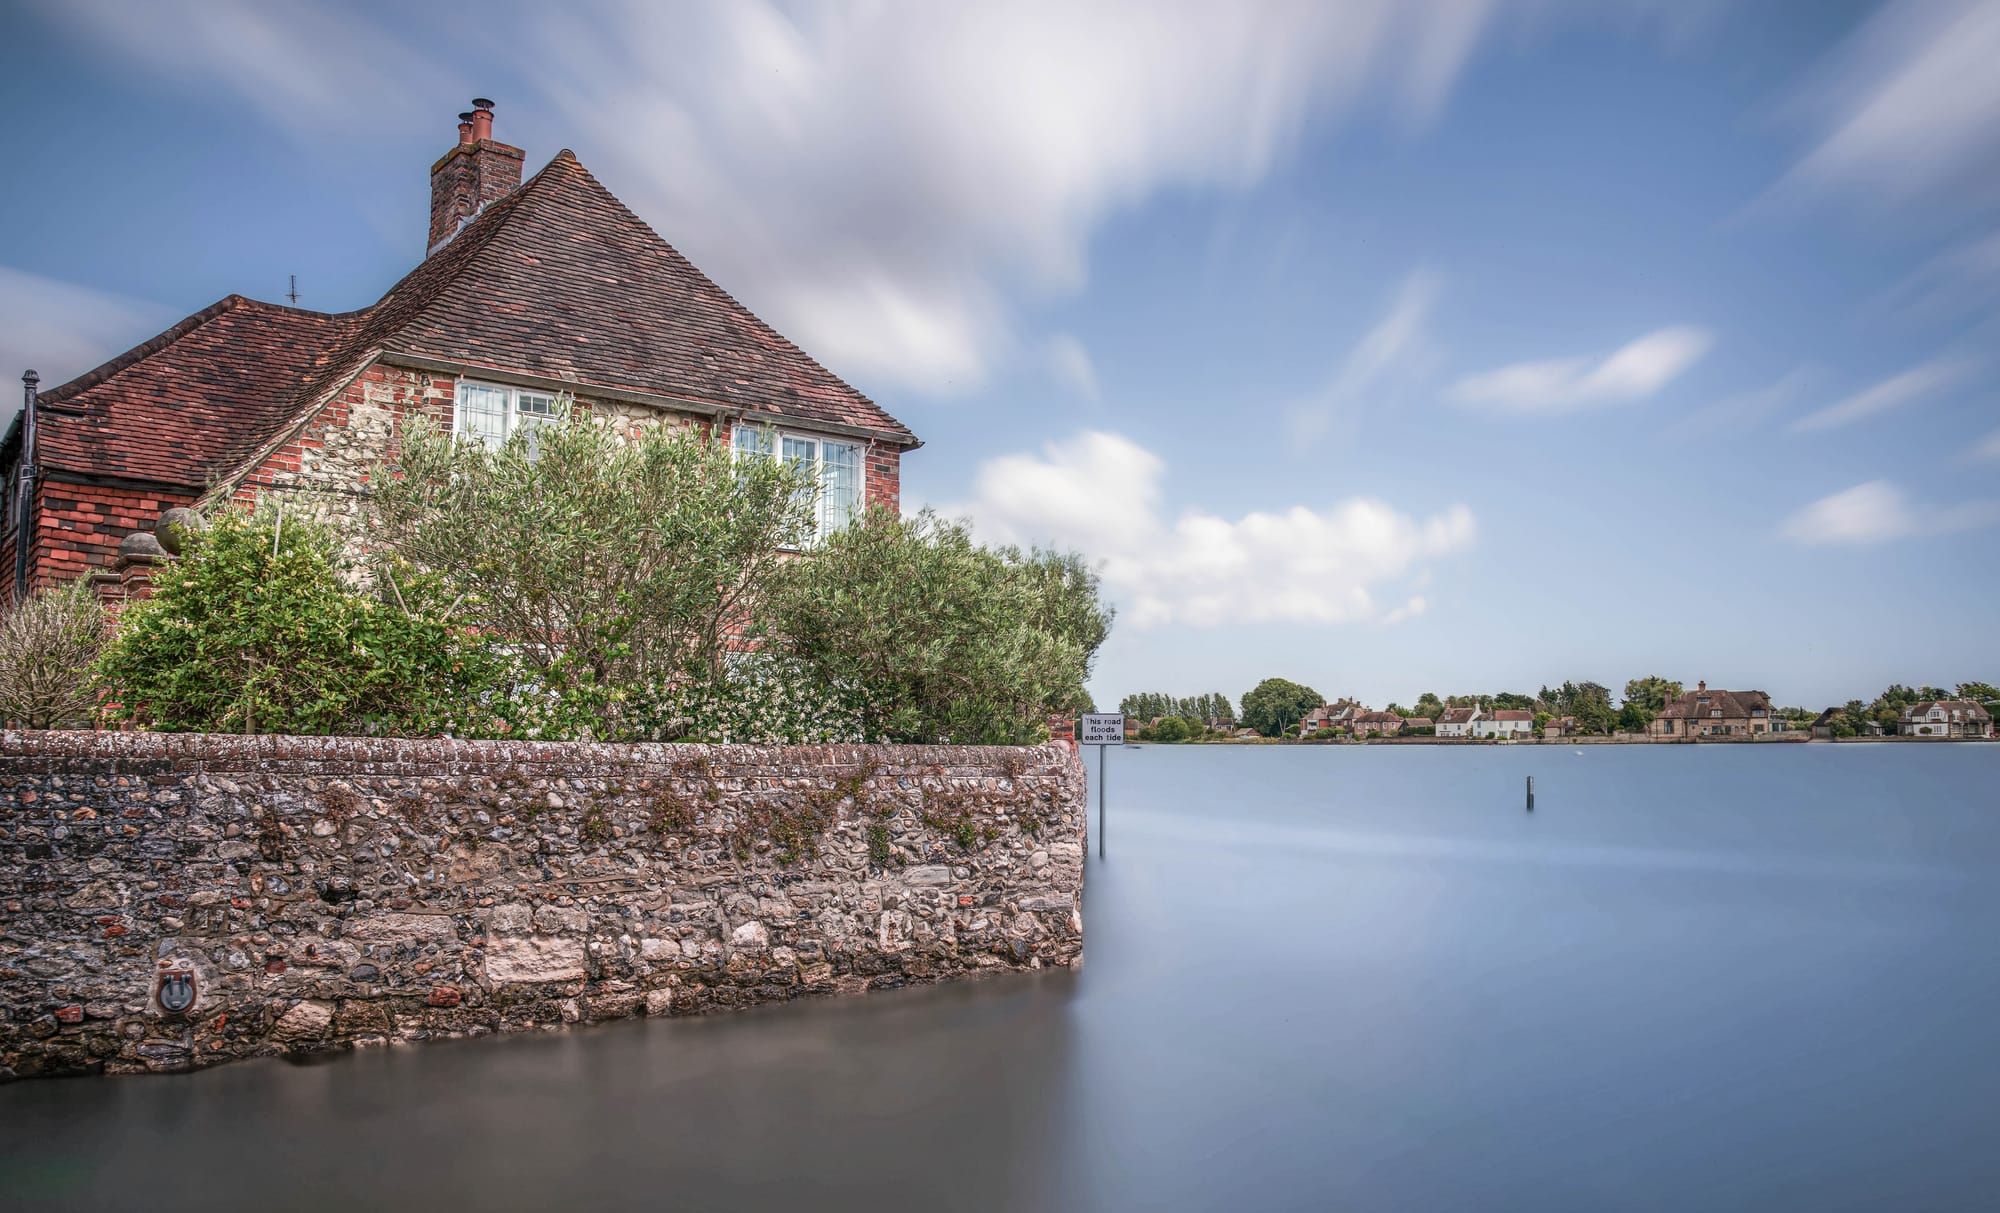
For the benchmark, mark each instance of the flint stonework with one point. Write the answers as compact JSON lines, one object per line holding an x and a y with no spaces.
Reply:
{"x":306,"y":894}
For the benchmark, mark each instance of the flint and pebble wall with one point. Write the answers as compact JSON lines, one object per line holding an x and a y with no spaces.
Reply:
{"x":173,"y":901}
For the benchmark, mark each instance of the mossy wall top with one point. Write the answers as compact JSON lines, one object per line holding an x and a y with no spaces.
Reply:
{"x":169,"y":901}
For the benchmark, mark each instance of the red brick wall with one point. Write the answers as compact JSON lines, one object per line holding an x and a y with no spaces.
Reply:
{"x":885,"y":476}
{"x":78,"y":529}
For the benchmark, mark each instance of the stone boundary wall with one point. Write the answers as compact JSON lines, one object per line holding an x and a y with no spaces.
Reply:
{"x":172,"y":901}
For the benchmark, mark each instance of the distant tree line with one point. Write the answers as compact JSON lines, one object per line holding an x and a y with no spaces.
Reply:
{"x":1276,"y":707}
{"x":1212,"y":710}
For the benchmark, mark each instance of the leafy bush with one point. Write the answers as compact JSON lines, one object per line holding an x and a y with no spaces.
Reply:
{"x":258,"y":628}
{"x":613,"y":561}
{"x":48,"y":645}
{"x":943,"y":639}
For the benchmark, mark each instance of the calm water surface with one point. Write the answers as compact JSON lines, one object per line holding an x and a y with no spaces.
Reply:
{"x":1695,"y":978}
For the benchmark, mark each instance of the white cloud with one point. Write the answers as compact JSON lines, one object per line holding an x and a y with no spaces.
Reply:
{"x":1892,"y":393}
{"x":1878,"y":512}
{"x":1634,"y":371}
{"x":1910,"y":106}
{"x":1102,"y":494}
{"x":857,"y":165}
{"x":1071,"y":366}
{"x":60,"y":330}
{"x":1391,"y":355}
{"x":887,"y":182}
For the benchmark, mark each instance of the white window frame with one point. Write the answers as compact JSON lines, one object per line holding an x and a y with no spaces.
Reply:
{"x":510,"y":409}
{"x":823,"y":525}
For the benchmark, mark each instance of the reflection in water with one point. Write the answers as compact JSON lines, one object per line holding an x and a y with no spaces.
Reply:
{"x":1714,"y":978}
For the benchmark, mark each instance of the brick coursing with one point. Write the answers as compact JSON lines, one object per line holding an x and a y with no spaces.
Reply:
{"x":327,"y":893}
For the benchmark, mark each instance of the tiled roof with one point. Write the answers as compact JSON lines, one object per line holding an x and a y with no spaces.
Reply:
{"x":558,"y":279}
{"x":189,"y":401}
{"x":1734,"y":705}
{"x":1515,"y":714}
{"x":1458,"y":715}
{"x":1965,"y":709}
{"x":568,"y":283}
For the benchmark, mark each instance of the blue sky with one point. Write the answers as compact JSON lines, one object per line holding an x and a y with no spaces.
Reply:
{"x":1389,"y":347}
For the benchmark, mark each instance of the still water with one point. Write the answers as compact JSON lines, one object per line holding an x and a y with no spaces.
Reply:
{"x":1706,"y":978}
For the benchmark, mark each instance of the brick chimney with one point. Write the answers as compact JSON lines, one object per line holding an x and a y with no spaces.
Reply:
{"x":470,"y":175}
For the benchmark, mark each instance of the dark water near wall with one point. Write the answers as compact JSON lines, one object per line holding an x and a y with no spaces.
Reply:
{"x":1696,"y":978}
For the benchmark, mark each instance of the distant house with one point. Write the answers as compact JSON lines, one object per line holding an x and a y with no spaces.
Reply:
{"x":1457,"y":722}
{"x":1418,"y":724}
{"x":1945,"y":718}
{"x":1822,"y":727}
{"x":1330,"y":718}
{"x":1705,"y":713}
{"x":1561,"y":726}
{"x":1386,"y":723}
{"x":1505,"y":723}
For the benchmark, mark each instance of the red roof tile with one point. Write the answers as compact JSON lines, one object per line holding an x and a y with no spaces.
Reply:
{"x":189,"y":401}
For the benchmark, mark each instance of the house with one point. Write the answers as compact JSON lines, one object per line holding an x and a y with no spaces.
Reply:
{"x":528,"y":289}
{"x":1457,"y":722}
{"x":1561,"y":726}
{"x":1705,"y":713}
{"x":1335,"y":717}
{"x":1388,"y":724}
{"x":1822,"y":725}
{"x":1505,"y":723}
{"x":1945,"y":718}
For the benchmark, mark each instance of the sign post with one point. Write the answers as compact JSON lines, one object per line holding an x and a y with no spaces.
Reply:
{"x":1101,"y":729}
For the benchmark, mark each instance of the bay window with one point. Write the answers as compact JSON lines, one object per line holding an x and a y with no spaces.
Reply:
{"x":832,"y":466}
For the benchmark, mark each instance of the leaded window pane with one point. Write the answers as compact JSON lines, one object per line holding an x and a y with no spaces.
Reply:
{"x":482,"y":413}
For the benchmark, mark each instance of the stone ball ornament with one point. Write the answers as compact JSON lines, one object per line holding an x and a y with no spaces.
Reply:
{"x":140,"y":545}
{"x":175,"y":525}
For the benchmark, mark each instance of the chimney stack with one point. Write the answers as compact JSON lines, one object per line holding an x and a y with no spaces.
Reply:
{"x":474,"y":173}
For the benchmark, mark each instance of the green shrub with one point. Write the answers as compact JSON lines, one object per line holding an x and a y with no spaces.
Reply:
{"x":48,"y":645}
{"x":259,"y":628}
{"x":612,"y":562}
{"x":942,"y":639}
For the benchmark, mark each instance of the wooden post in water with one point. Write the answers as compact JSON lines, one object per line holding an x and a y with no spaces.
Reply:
{"x":1531,"y":793}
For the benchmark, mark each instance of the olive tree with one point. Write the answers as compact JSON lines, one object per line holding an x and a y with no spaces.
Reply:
{"x":609,"y":559}
{"x":942,"y":639}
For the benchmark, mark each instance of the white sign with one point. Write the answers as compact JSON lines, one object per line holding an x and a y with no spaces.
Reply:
{"x":1101,"y":728}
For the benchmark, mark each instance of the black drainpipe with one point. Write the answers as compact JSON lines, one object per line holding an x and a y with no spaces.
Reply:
{"x":24,"y":516}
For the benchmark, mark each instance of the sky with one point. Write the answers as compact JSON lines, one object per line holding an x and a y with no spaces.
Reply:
{"x":1389,"y":347}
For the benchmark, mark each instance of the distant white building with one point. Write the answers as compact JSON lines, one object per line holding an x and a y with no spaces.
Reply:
{"x":1504,"y":723}
{"x":1945,"y":718}
{"x":1457,"y":722}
